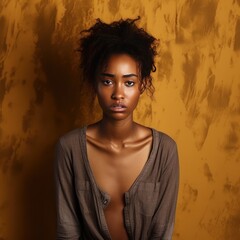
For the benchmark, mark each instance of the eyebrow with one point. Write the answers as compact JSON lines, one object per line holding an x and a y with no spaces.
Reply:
{"x":125,"y":76}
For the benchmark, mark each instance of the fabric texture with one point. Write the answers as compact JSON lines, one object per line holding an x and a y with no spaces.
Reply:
{"x":150,"y":203}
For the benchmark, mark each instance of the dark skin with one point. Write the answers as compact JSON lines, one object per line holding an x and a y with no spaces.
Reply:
{"x":118,"y":147}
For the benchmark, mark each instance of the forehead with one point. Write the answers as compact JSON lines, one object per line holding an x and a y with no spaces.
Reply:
{"x":123,"y":62}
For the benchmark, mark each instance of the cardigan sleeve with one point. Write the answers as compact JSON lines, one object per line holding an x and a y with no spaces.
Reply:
{"x":68,"y":222}
{"x":163,"y":219}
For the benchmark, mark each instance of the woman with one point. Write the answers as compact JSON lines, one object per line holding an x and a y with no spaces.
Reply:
{"x":116,"y":179}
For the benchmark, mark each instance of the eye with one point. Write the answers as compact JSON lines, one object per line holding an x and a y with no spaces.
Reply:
{"x":129,"y":83}
{"x":107,"y":82}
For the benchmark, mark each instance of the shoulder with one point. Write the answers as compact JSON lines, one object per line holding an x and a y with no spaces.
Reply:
{"x":71,"y":138}
{"x":162,"y":139}
{"x":143,"y":132}
{"x":166,"y":145}
{"x":166,"y":153}
{"x":165,"y":139}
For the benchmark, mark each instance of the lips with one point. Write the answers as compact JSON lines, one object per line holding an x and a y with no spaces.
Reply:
{"x":118,"y":107}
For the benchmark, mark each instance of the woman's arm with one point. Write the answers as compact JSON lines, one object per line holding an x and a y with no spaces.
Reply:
{"x":68,"y":225}
{"x":163,"y":220}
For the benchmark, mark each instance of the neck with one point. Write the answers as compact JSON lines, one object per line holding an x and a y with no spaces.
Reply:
{"x":117,"y":131}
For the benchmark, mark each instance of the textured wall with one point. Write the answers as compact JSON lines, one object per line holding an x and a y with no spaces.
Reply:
{"x":197,"y":102}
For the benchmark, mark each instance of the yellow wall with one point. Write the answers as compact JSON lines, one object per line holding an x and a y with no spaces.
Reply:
{"x":197,"y":102}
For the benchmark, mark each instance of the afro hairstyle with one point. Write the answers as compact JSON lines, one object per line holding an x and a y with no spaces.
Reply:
{"x":102,"y":40}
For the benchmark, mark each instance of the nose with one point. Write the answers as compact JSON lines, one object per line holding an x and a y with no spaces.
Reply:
{"x":118,"y":92}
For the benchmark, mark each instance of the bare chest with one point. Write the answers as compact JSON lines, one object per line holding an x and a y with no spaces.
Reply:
{"x":115,"y":170}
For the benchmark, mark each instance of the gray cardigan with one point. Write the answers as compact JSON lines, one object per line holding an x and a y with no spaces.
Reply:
{"x":150,"y":203}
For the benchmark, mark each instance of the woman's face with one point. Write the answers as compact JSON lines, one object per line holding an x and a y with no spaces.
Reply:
{"x":118,"y":86}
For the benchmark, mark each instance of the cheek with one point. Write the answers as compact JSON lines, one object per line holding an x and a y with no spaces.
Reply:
{"x":101,"y":91}
{"x":134,"y":98}
{"x":133,"y":93}
{"x":103,"y":94}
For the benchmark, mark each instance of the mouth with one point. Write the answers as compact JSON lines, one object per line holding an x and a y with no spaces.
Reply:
{"x":118,"y":107}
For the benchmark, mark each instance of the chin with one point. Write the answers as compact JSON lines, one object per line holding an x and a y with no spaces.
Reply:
{"x":116,"y":116}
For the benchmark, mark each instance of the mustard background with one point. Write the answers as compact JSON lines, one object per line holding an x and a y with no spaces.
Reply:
{"x":197,"y":102}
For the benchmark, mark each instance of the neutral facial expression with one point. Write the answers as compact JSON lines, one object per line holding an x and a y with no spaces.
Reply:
{"x":118,"y":87}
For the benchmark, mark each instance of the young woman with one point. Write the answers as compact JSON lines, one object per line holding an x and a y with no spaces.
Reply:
{"x":116,"y":179}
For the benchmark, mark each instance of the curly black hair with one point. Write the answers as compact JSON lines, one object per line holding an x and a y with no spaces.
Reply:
{"x":102,"y":40}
